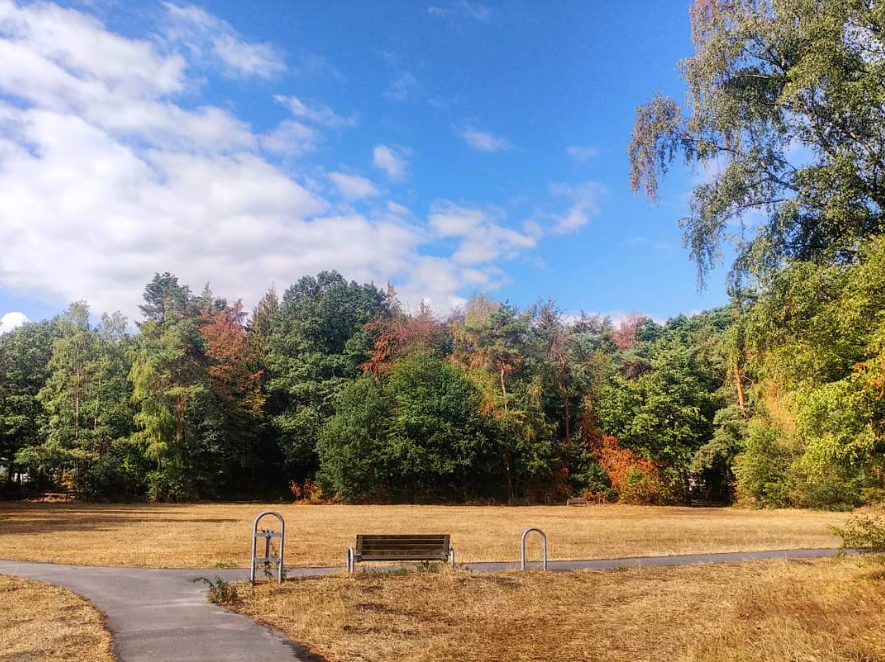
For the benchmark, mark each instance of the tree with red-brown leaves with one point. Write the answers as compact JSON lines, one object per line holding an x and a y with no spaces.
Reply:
{"x":399,"y":334}
{"x":625,"y":335}
{"x":230,"y":360}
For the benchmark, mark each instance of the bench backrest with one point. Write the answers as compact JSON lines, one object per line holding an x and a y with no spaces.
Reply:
{"x":399,"y":547}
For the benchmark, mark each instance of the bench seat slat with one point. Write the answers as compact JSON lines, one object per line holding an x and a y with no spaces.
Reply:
{"x":402,"y":547}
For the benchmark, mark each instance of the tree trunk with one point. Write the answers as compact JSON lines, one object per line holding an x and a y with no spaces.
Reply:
{"x":738,"y":380}
{"x":503,"y":386}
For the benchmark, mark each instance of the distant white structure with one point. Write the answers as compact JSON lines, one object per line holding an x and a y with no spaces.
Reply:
{"x":12,"y":321}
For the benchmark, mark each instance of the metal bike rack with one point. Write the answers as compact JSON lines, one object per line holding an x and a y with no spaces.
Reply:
{"x":267,"y":534}
{"x":543,"y":546}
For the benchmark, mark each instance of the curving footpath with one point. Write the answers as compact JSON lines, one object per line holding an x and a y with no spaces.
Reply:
{"x":163,"y":616}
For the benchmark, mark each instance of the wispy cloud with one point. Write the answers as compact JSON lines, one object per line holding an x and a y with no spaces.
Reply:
{"x":392,"y":160}
{"x":314,"y":113}
{"x":655,"y":244}
{"x":483,"y":141}
{"x":353,"y":187}
{"x":471,"y":10}
{"x":585,"y":205}
{"x":207,"y":35}
{"x":290,"y":138}
{"x":401,"y":87}
{"x":581,"y":154}
{"x":482,"y":235}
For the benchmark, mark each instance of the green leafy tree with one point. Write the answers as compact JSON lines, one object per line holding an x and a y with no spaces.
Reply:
{"x":315,"y":349}
{"x":785,"y":114}
{"x":415,"y":434}
{"x":85,"y":398}
{"x":25,"y":353}
{"x":816,"y":334}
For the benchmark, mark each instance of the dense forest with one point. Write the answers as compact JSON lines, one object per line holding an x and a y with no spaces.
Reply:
{"x":335,"y":390}
{"x":334,"y":387}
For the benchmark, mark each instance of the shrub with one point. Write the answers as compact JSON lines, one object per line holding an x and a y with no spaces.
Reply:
{"x":763,"y":469}
{"x":220,"y":591}
{"x":634,"y":478}
{"x":863,"y":533}
{"x":306,"y":493}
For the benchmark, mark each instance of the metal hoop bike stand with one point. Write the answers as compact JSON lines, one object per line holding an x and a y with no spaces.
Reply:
{"x":267,"y":534}
{"x":543,"y":546}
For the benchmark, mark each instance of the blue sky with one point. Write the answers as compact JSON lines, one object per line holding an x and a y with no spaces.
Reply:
{"x":451,"y":147}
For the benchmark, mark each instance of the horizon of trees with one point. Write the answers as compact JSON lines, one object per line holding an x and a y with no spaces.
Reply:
{"x":335,"y":390}
{"x":334,"y":384}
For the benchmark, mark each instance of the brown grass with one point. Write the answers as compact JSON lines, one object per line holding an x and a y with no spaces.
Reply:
{"x":810,"y":611}
{"x":203,"y":536}
{"x":40,"y":622}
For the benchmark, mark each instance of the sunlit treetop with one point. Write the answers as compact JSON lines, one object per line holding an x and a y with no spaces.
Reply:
{"x":783,"y":119}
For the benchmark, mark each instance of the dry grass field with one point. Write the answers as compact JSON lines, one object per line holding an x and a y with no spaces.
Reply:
{"x":210,"y":535}
{"x":43,"y":623}
{"x":811,"y":611}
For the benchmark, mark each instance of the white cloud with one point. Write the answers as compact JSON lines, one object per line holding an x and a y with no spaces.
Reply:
{"x":401,"y":87}
{"x":581,"y":154}
{"x":392,"y":160}
{"x":472,"y":10}
{"x":290,"y":138}
{"x":483,"y":238}
{"x":585,"y":204}
{"x":111,"y":170}
{"x":450,"y":220}
{"x":475,"y":10}
{"x":59,"y":61}
{"x":398,"y":209}
{"x":353,"y":187}
{"x":12,"y":321}
{"x":207,"y":35}
{"x":314,"y":113}
{"x":483,"y":141}
{"x":105,"y":179}
{"x":436,"y":281}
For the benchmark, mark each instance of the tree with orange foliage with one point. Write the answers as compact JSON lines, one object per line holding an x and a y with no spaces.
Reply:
{"x":635,"y":478}
{"x":625,"y":335}
{"x":398,"y":334}
{"x":230,"y":360}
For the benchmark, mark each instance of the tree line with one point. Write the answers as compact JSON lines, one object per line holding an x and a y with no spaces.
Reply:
{"x":335,"y":389}
{"x":335,"y":385}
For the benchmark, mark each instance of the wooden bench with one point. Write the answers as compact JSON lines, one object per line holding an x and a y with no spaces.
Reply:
{"x":401,"y":547}
{"x":58,"y":496}
{"x":519,"y":501}
{"x":575,"y":501}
